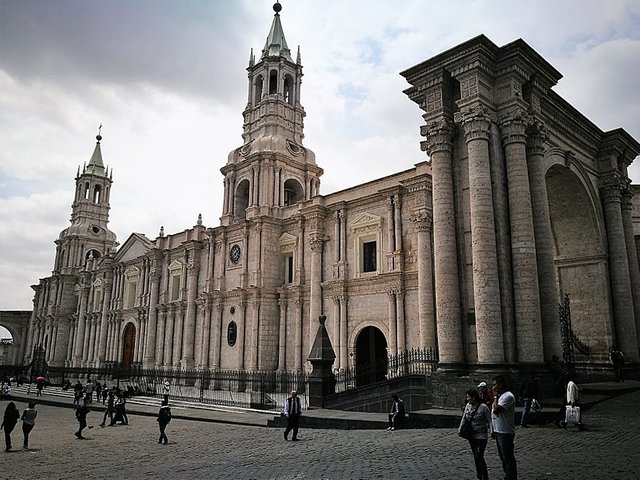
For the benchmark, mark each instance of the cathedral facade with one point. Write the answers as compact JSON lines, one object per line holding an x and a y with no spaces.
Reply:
{"x":521,"y":201}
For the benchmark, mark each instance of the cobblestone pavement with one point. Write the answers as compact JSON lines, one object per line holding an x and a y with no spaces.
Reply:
{"x":197,"y":450}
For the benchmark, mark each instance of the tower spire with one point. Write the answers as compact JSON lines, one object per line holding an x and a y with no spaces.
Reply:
{"x":96,"y":166}
{"x":276,"y":45}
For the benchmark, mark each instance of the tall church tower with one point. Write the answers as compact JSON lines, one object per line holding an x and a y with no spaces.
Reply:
{"x":88,"y":235}
{"x":272,"y":169}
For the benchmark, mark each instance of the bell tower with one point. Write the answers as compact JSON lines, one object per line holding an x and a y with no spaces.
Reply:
{"x":272,"y":169}
{"x":88,"y":235}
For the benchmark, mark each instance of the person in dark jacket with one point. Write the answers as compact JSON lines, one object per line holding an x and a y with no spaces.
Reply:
{"x":397,"y":413}
{"x":164,"y":417}
{"x":292,"y":410}
{"x":11,"y":416}
{"x":528,"y":391}
{"x":81,"y":416}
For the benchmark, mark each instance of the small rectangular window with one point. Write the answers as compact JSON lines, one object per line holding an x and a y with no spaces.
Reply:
{"x":175,"y":287}
{"x":369,"y":257}
{"x":288,"y":269}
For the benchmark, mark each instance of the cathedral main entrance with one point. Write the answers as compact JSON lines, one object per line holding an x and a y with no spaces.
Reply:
{"x":371,"y":356}
{"x":128,"y":345}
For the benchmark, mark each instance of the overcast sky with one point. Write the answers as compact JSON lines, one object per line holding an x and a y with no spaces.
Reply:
{"x":167,"y":80}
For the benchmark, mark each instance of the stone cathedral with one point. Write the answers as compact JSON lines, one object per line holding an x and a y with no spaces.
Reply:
{"x":520,"y":200}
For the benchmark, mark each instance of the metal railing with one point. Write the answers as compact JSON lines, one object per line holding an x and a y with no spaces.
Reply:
{"x":409,"y":362}
{"x":264,"y":390}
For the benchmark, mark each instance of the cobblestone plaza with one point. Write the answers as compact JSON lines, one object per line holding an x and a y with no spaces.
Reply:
{"x":205,"y":450}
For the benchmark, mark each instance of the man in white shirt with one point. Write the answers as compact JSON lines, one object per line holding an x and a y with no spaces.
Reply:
{"x":504,"y":426}
{"x":292,"y":410}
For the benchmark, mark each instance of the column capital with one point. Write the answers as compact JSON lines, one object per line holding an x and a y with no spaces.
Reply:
{"x":536,"y":136}
{"x":611,"y":189}
{"x":475,"y":122}
{"x":627,"y":195}
{"x":513,"y":126}
{"x":423,"y":221}
{"x":317,"y":242}
{"x":439,"y":137}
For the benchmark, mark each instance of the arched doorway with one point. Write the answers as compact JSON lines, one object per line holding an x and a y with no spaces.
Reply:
{"x":580,"y":256}
{"x":128,"y":345}
{"x":371,"y":356}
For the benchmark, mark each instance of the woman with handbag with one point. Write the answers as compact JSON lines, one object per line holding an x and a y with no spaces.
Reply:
{"x":475,"y":426}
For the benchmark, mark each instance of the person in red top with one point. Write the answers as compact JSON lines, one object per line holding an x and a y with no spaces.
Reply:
{"x":486,"y":394}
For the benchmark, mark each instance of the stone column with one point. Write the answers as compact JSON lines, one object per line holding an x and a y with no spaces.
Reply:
{"x":397,"y":217}
{"x":150,"y":348}
{"x":160,"y":333}
{"x":622,"y":298}
{"x":214,"y":353}
{"x":344,"y":351}
{"x":282,"y":333}
{"x":187,"y":359}
{"x":545,"y":248}
{"x":317,"y":245}
{"x":393,"y":323}
{"x":336,"y":329}
{"x":523,"y":246}
{"x":79,"y":342}
{"x":102,"y":339}
{"x":178,"y":321}
{"x":426,"y":313}
{"x":92,"y":338}
{"x":204,"y":359}
{"x":255,"y":329}
{"x":634,"y":273}
{"x":299,"y":319}
{"x":168,"y":337}
{"x":486,"y":281}
{"x":391,"y":243}
{"x":400,"y":324}
{"x":447,"y":286}
{"x":241,"y":335}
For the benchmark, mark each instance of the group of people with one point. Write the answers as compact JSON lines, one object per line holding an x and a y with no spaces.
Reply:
{"x":491,"y":413}
{"x":10,"y":420}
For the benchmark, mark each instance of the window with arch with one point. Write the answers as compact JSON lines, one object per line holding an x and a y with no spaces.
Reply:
{"x":175,"y":280}
{"x":131,"y":275}
{"x":258,"y":86}
{"x":288,"y":89}
{"x":293,"y":192}
{"x":93,"y":253}
{"x":273,"y":82}
{"x":241,"y":199}
{"x":97,"y":194}
{"x":86,"y":191}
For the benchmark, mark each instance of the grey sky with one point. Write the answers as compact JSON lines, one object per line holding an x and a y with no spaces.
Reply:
{"x":167,"y":80}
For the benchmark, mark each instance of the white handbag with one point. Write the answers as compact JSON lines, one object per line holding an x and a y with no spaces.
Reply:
{"x":572,"y":415}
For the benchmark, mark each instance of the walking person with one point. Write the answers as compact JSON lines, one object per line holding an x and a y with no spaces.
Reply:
{"x":166,"y":388}
{"x":81,"y":416}
{"x":616,"y":357}
{"x":503,"y":415}
{"x":292,"y":410}
{"x":479,"y":415}
{"x":11,"y":416}
{"x":572,"y":396}
{"x":528,"y":391}
{"x":397,"y":413}
{"x":77,"y":394}
{"x":88,"y":390}
{"x":109,"y":410}
{"x":164,"y":417}
{"x":28,"y":422}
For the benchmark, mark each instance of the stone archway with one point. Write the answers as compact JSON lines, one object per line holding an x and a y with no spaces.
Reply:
{"x":580,"y":256}
{"x":371,"y":356}
{"x":128,"y":345}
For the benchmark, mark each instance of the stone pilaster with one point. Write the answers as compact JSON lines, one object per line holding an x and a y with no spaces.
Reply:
{"x":80,"y":332}
{"x":634,"y":273}
{"x":625,"y":325}
{"x":447,"y":287}
{"x":486,"y":281}
{"x":150,"y":349}
{"x":187,"y":360}
{"x":426,"y":312}
{"x":545,"y":248}
{"x":282,"y":333}
{"x":393,"y":323}
{"x":316,"y":243}
{"x":523,"y":246}
{"x":102,"y":337}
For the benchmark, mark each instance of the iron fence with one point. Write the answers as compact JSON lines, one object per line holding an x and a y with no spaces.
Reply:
{"x":409,"y":362}
{"x":264,"y":390}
